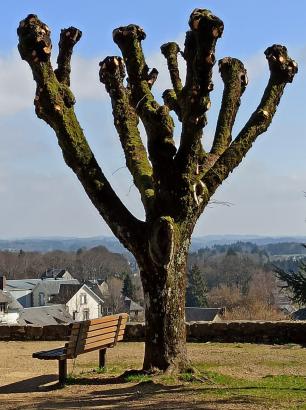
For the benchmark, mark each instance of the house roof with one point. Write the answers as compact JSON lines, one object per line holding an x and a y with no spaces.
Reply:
{"x":52,"y":287}
{"x":66,"y":291}
{"x":21,"y":284}
{"x":93,"y":293}
{"x":13,"y":304}
{"x":53,"y":273}
{"x":45,"y":315}
{"x":195,"y":314}
{"x":299,"y":314}
{"x":95,"y":288}
{"x":132,"y":306}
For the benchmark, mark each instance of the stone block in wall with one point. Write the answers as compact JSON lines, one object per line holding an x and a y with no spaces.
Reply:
{"x":18,"y":332}
{"x":5,"y":333}
{"x":55,"y":332}
{"x":33,"y":332}
{"x":134,"y":332}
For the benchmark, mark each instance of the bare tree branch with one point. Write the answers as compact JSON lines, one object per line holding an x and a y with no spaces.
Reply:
{"x":235,"y":81}
{"x":68,"y":38}
{"x":54,"y":104}
{"x":156,"y":119}
{"x":112,"y":74}
{"x":282,"y":71}
{"x":171,"y":101}
{"x":170,"y":51}
{"x":199,"y":54}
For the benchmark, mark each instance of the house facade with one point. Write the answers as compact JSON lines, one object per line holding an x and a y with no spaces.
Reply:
{"x":9,"y":309}
{"x":85,"y":304}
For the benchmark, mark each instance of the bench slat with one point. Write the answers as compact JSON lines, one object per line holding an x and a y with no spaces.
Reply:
{"x":93,"y":346}
{"x":94,"y":333}
{"x":104,"y":319}
{"x":94,"y":340}
{"x":100,"y":326}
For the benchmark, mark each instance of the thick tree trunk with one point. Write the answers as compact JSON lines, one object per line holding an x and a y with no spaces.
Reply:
{"x":164,"y":283}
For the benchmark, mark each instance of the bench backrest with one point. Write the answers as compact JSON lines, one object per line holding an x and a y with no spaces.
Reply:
{"x":95,"y":334}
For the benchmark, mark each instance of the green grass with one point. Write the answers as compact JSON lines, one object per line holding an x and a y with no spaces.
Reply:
{"x":138,"y":378}
{"x":274,"y":376}
{"x":283,"y":389}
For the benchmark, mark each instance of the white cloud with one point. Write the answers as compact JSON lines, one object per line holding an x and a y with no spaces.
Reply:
{"x":85,"y":82}
{"x":18,"y":87}
{"x":16,"y":84}
{"x":263,"y":202}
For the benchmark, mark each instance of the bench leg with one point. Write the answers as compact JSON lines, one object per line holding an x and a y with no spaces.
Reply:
{"x":102,"y":353}
{"x":62,"y":371}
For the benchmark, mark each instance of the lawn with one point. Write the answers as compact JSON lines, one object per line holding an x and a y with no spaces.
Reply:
{"x":229,"y":376}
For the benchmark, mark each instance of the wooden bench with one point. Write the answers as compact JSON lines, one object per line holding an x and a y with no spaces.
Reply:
{"x":96,"y":334}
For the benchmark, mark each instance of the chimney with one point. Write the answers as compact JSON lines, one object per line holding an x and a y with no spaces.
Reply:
{"x":2,"y":282}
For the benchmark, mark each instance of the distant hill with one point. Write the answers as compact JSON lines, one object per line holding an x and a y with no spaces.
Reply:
{"x":211,"y":240}
{"x":289,"y":245}
{"x":63,"y":244}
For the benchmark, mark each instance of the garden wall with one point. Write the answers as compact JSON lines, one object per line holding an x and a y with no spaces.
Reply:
{"x":234,"y":331}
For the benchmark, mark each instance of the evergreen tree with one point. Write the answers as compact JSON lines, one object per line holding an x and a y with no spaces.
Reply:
{"x":295,"y":282}
{"x":196,"y":290}
{"x":128,"y":289}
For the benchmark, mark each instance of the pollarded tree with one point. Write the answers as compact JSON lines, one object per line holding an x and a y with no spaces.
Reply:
{"x":175,"y":184}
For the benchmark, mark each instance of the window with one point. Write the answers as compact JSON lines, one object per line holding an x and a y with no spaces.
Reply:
{"x":3,"y":307}
{"x":41,"y":299}
{"x":83,"y":298}
{"x":85,"y":314}
{"x":74,"y":314}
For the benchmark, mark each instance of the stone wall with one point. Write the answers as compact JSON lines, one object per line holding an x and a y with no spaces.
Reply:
{"x":238,"y":331}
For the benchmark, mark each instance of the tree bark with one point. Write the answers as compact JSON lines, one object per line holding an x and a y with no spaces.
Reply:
{"x":163,"y":274}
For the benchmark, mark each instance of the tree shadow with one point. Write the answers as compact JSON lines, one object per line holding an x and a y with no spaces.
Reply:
{"x":34,"y":384}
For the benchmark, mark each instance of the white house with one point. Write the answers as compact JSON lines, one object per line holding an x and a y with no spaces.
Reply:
{"x":9,"y":308}
{"x":85,"y":304}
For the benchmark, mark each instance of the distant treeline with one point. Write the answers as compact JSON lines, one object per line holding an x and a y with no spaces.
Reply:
{"x":97,"y":262}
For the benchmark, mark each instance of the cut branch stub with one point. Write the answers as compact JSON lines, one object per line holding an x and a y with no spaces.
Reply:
{"x":120,"y":34}
{"x":280,"y":64}
{"x":152,"y":77}
{"x":229,"y":67}
{"x":206,"y":28}
{"x":68,"y":38}
{"x":112,"y":73}
{"x":170,"y":52}
{"x":36,"y":43}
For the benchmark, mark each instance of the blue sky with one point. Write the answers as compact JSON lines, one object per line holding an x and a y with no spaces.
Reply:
{"x":39,"y":195}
